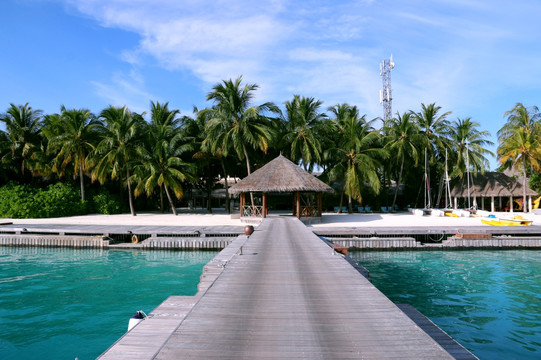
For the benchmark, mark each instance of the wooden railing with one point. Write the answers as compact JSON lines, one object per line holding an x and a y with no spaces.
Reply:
{"x":252,"y":210}
{"x":309,"y":211}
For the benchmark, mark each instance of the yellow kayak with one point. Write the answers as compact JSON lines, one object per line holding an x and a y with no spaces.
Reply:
{"x":515,"y":221}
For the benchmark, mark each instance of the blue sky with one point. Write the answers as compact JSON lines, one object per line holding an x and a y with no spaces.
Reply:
{"x":474,"y":58}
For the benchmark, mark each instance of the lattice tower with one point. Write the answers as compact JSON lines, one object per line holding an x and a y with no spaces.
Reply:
{"x":385,"y":95}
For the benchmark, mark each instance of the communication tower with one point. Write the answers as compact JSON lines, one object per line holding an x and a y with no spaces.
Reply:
{"x":385,"y":96}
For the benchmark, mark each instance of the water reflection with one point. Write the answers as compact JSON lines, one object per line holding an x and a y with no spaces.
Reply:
{"x":489,"y":300}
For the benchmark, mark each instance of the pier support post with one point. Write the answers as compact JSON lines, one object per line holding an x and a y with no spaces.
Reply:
{"x":298,"y":205}
{"x":264,"y":201}
{"x":319,"y":205}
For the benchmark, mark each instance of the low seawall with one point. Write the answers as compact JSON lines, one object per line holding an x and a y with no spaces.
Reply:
{"x":169,"y":243}
{"x":54,"y":241}
{"x":453,"y":242}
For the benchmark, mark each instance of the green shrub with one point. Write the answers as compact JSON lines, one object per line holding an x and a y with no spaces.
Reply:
{"x":28,"y":201}
{"x":106,"y":203}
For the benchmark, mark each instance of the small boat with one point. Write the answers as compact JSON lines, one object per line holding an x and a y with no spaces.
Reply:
{"x":136,"y":319}
{"x":514,"y":221}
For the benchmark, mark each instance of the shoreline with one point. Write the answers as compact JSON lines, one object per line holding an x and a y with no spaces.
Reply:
{"x":220,"y":218}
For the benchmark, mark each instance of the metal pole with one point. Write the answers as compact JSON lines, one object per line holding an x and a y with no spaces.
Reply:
{"x":468,"y":173}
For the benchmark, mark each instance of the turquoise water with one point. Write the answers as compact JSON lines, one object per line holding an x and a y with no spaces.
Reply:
{"x":490,"y":301}
{"x":67,"y":303}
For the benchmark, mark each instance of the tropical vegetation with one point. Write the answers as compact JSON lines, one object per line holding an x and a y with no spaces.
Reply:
{"x":118,"y":160}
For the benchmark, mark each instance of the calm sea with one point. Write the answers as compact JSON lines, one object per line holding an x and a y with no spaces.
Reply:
{"x":490,"y":301}
{"x":67,"y":303}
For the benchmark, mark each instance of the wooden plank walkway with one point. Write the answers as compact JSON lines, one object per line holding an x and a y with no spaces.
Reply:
{"x":289,"y":296}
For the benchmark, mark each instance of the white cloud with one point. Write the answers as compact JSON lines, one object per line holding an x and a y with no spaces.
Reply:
{"x":449,"y":52}
{"x":125,"y":89}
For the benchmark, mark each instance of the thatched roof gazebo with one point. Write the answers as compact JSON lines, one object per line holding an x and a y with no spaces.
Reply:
{"x":280,"y":176}
{"x":492,"y":185}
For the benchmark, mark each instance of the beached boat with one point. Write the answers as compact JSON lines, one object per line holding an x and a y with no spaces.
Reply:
{"x":514,"y":221}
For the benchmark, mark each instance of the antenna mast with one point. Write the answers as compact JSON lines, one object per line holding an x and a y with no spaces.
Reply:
{"x":385,"y":96}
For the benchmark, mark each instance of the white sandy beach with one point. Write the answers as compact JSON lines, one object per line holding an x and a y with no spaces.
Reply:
{"x":220,"y":218}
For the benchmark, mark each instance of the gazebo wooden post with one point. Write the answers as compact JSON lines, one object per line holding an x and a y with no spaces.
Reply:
{"x":242,"y":200}
{"x":511,"y":205}
{"x":264,"y":201}
{"x":298,"y":205}
{"x":319,"y":205}
{"x":492,"y":208}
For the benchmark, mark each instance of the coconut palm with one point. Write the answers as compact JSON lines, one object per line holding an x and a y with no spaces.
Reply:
{"x":303,"y":120}
{"x":208,"y":150}
{"x":164,"y":125}
{"x":520,"y":117}
{"x":521,"y":149}
{"x":357,"y":151}
{"x":163,"y":166}
{"x":73,"y":135}
{"x":402,"y":141}
{"x":434,"y":128}
{"x":469,"y":146}
{"x":116,"y":153}
{"x":234,"y":124}
{"x":23,"y":130}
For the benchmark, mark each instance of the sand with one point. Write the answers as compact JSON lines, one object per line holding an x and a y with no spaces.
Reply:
{"x":220,"y":218}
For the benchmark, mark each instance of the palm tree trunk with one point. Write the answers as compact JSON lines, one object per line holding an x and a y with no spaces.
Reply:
{"x":170,"y":200}
{"x":398,"y":182}
{"x":130,"y":198}
{"x":524,"y":205}
{"x":248,"y":168}
{"x":227,"y":199}
{"x":82,"y":182}
{"x":350,"y":205}
{"x":341,"y":201}
{"x":162,"y":208}
{"x":209,"y":195}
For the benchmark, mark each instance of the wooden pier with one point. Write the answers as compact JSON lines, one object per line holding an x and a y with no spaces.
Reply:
{"x":283,"y":293}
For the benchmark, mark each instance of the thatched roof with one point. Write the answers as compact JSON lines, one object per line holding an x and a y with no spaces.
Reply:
{"x":490,"y":184}
{"x":280,"y":175}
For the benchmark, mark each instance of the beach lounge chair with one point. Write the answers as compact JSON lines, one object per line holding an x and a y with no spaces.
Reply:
{"x":384,"y":209}
{"x":360,"y":209}
{"x":367,"y":208}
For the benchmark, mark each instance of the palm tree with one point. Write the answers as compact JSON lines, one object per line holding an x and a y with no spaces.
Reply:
{"x":116,"y":153}
{"x":160,"y":115}
{"x":357,"y":152}
{"x":208,"y":150}
{"x":162,"y":166}
{"x":234,"y":124}
{"x":303,"y":120}
{"x":435,"y":130}
{"x":23,"y":130}
{"x":469,"y":146}
{"x":521,"y":149}
{"x":4,"y":151}
{"x":434,"y":127}
{"x":520,"y":117}
{"x":403,"y":140}
{"x":72,"y":137}
{"x":164,"y":124}
{"x":519,"y":141}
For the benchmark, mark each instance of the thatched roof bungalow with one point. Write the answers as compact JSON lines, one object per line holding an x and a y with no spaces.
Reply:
{"x":492,"y":185}
{"x":280,"y":176}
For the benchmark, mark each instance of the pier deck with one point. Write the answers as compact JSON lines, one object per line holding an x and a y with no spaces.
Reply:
{"x":289,"y":296}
